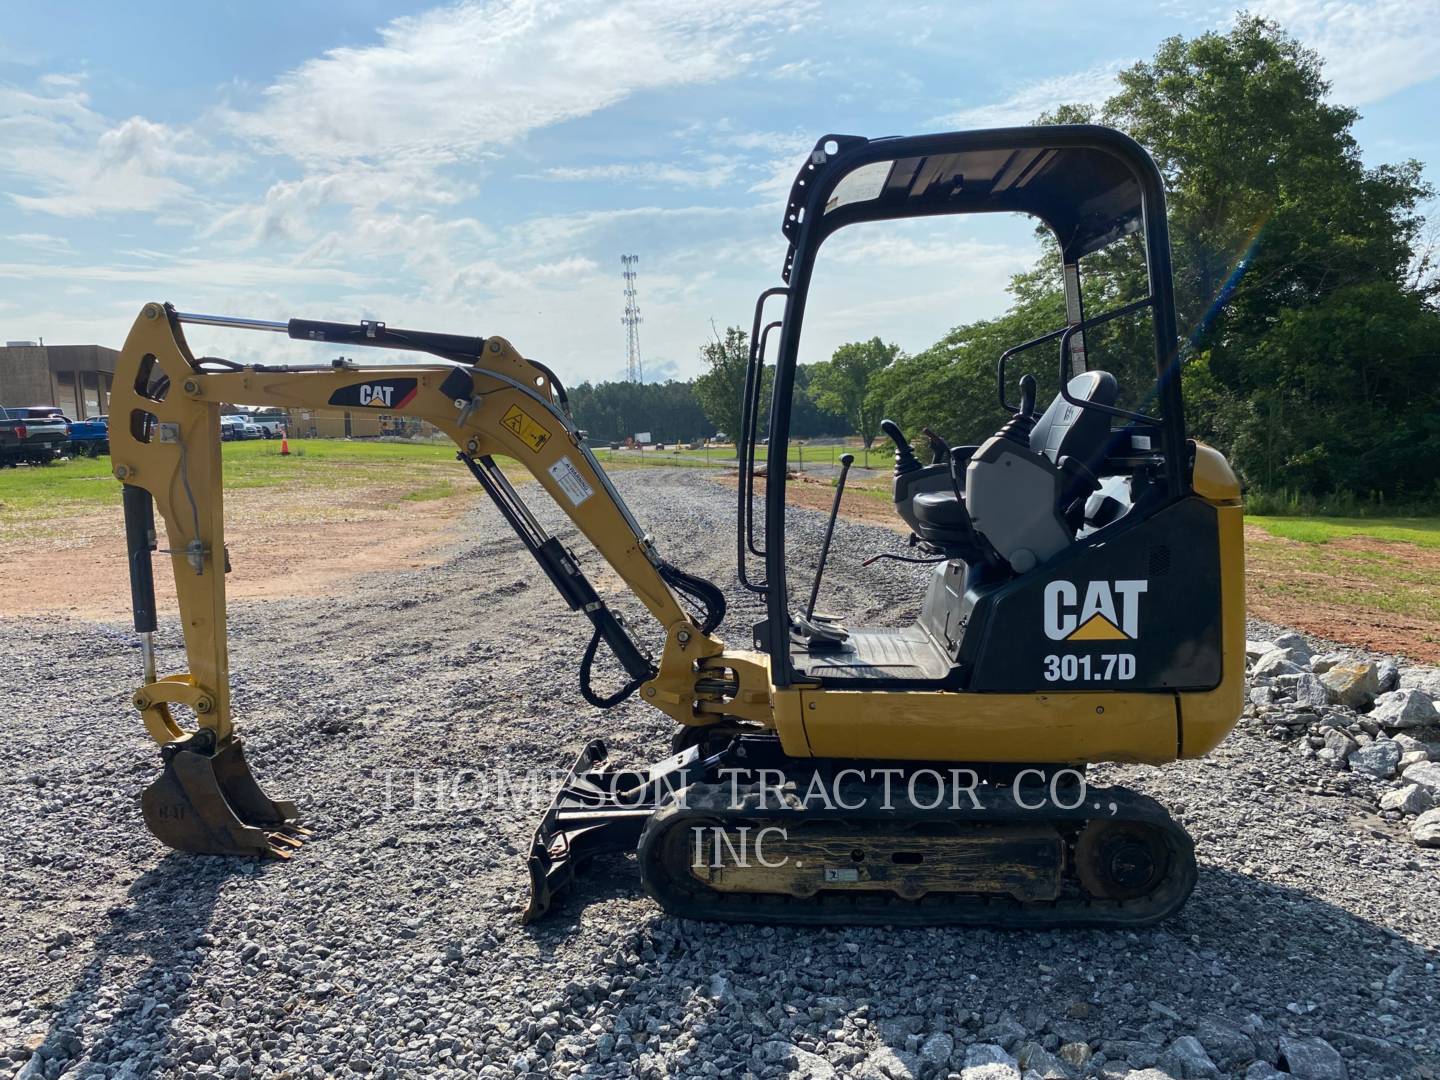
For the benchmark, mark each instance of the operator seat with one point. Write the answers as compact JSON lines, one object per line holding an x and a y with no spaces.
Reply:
{"x":1011,"y":493}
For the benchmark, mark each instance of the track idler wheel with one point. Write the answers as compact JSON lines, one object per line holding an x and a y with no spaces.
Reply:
{"x":1120,"y":860}
{"x":208,"y":802}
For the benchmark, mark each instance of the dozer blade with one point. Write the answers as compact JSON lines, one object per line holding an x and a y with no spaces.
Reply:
{"x":598,"y":809}
{"x":208,"y":802}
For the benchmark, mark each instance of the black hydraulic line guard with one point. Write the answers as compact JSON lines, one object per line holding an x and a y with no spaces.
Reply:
{"x":139,"y":508}
{"x":378,"y":335}
{"x":571,"y":583}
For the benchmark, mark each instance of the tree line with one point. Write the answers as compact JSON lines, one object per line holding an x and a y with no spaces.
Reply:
{"x":1306,"y":286}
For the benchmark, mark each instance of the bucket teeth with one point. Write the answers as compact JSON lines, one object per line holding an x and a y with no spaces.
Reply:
{"x":208,"y":802}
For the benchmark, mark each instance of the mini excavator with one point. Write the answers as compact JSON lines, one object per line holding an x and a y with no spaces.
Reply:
{"x":1085,"y":602}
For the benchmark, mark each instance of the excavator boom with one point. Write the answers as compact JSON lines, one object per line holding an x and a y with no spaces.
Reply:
{"x":492,"y":402}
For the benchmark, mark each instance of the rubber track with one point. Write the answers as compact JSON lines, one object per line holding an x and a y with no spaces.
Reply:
{"x":685,"y":896}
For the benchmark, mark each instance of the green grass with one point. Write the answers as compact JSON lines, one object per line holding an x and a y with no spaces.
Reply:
{"x":1310,"y":575}
{"x":441,"y":489}
{"x":86,"y":483}
{"x":1421,"y":531}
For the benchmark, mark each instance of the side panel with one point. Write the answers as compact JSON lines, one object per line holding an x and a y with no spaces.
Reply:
{"x":1206,"y":718}
{"x":964,"y":727}
{"x":1135,"y":611}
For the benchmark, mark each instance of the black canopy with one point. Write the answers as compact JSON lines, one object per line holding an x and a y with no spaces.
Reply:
{"x":1087,"y":183}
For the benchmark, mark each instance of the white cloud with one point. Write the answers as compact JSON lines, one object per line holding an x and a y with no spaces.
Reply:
{"x":40,"y":241}
{"x":451,"y":84}
{"x":785,"y":152}
{"x":891,"y":249}
{"x":648,"y":174}
{"x":179,"y":273}
{"x":1025,"y":104}
{"x":1372,"y":48}
{"x":289,"y":209}
{"x":78,"y":165}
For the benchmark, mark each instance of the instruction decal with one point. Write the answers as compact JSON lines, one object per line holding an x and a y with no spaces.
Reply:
{"x":571,"y":482}
{"x":526,"y":428}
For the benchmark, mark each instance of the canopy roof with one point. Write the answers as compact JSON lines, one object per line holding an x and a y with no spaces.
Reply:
{"x":1087,"y":183}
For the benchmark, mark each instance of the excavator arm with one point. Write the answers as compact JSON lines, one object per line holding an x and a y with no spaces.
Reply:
{"x":492,"y":402}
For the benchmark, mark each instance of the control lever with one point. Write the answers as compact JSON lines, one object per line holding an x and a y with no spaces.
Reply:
{"x":846,"y":460}
{"x":1018,"y":427}
{"x":905,"y":461}
{"x":939,"y":448}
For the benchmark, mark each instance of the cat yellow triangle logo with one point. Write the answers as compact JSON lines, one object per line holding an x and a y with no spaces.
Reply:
{"x":1098,"y":628}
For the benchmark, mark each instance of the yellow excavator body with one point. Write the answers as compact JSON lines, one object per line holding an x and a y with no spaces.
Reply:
{"x":1101,"y":619}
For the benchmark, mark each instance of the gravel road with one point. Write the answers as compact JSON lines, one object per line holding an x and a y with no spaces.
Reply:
{"x":393,"y":709}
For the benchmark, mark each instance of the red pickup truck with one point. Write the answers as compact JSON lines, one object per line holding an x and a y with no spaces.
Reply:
{"x":37,"y":434}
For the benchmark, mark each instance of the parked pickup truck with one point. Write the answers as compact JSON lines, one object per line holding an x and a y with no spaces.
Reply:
{"x":90,"y":438}
{"x":36,"y":435}
{"x":271,"y":422}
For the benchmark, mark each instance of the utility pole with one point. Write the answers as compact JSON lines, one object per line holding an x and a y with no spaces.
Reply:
{"x":635,"y":370}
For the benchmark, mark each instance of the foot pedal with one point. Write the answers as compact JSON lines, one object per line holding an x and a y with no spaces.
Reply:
{"x":208,"y":802}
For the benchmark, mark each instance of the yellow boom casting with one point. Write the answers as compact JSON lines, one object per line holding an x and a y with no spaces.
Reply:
{"x":1086,"y":602}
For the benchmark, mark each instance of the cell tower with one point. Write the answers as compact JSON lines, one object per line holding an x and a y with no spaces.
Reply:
{"x":635,"y":370}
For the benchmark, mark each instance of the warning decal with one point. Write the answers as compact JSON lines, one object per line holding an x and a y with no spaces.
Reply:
{"x":524,"y":426}
{"x":570,"y":481}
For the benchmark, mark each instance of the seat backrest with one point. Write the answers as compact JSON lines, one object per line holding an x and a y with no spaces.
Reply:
{"x":1066,"y":430}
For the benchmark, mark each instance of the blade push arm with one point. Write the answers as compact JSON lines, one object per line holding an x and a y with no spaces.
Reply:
{"x":165,"y":439}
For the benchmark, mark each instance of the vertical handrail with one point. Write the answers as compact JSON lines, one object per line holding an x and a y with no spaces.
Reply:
{"x":745,"y":443}
{"x":755,"y":549}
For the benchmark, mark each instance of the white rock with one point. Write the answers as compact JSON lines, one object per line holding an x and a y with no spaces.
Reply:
{"x":1186,"y":1058}
{"x":810,"y":1066}
{"x":1418,"y":678}
{"x":1388,"y":674}
{"x":1325,"y":661}
{"x":1426,"y":830}
{"x":1378,"y":759}
{"x":1404,"y":709}
{"x":1339,"y":743}
{"x":1410,"y":799}
{"x":1292,"y":642}
{"x":1311,"y":1059}
{"x":1076,"y":1054}
{"x":1276,"y":662}
{"x":1409,"y":744}
{"x":937,"y":1049}
{"x":986,"y":1061}
{"x":884,"y":1061}
{"x":1414,"y":757}
{"x":1256,"y":649}
{"x":1426,"y":774}
{"x":1311,"y":690}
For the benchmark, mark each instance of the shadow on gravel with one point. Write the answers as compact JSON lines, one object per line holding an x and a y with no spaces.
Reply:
{"x":598,"y":882}
{"x":161,"y":926}
{"x":1242,"y":947}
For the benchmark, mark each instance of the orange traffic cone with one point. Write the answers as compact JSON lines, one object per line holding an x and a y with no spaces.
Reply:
{"x":284,"y":443}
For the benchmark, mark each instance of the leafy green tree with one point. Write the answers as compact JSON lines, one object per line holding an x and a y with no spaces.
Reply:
{"x":1293,"y":263}
{"x":721,"y":390}
{"x":845,"y":384}
{"x":610,"y":411}
{"x":1307,"y":314}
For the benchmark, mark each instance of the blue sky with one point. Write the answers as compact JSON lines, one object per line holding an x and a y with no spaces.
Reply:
{"x":480,"y":167}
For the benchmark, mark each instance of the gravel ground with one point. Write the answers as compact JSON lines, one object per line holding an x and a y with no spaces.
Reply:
{"x":391,"y":945}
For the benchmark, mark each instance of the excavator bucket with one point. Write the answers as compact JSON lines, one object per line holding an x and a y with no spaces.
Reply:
{"x":208,"y":802}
